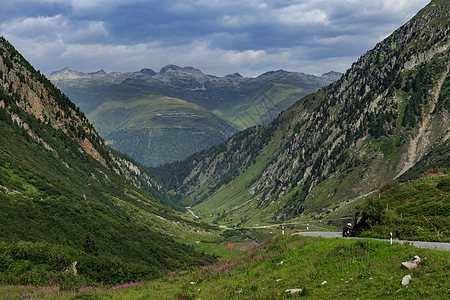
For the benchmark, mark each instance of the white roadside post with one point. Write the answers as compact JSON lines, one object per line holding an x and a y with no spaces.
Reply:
{"x":391,"y":237}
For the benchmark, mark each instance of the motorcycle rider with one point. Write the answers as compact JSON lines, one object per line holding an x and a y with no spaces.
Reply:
{"x":347,"y":229}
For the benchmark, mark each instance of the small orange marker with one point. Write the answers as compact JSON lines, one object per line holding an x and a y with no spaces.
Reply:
{"x":230,"y":245}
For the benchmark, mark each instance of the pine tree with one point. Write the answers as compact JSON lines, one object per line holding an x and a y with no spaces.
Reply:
{"x":89,"y":245}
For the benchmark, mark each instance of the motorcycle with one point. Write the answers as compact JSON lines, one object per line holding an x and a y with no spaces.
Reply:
{"x":346,"y":232}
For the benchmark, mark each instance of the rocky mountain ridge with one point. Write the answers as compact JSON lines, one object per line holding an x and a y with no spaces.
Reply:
{"x":184,"y":78}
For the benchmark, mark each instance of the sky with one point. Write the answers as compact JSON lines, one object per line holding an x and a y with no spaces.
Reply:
{"x":218,"y":37}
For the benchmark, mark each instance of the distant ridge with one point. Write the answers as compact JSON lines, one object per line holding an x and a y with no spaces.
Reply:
{"x":131,"y":110}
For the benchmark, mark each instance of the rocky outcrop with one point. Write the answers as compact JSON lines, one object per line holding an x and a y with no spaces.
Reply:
{"x":34,"y":94}
{"x":413,"y":264}
{"x":420,"y":143}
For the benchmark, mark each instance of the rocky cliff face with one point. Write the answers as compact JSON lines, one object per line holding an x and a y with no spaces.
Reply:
{"x":389,"y":110}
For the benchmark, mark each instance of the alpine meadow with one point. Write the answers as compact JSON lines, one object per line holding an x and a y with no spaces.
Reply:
{"x":224,"y":178}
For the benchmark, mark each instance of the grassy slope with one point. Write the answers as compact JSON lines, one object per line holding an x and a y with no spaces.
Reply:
{"x":322,"y":268}
{"x":264,"y":107}
{"x":152,"y":111}
{"x":350,"y":268}
{"x":416,"y":210}
{"x":232,"y":203}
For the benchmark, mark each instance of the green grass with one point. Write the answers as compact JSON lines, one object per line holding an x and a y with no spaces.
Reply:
{"x":321,"y":268}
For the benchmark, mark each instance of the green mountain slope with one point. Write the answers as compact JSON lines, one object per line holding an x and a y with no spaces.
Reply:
{"x":262,"y":108}
{"x":59,"y":181}
{"x":205,"y":110}
{"x":387,"y":113}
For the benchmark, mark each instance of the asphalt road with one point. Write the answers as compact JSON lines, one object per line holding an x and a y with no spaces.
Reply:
{"x":418,"y":244}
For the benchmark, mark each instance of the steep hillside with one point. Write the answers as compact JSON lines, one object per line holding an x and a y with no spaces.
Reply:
{"x":58,"y":180}
{"x":389,"y":111}
{"x":162,"y":117}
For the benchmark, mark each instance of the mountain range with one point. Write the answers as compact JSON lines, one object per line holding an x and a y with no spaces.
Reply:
{"x":162,"y":117}
{"x":386,"y":118}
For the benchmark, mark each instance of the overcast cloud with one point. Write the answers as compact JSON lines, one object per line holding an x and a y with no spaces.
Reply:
{"x":218,"y":37}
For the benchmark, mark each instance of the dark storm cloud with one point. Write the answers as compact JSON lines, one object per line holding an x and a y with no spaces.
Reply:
{"x":219,"y":37}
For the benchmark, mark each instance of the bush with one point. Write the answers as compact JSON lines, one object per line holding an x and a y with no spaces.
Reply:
{"x":43,"y":264}
{"x":368,"y":215}
{"x":387,"y":186}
